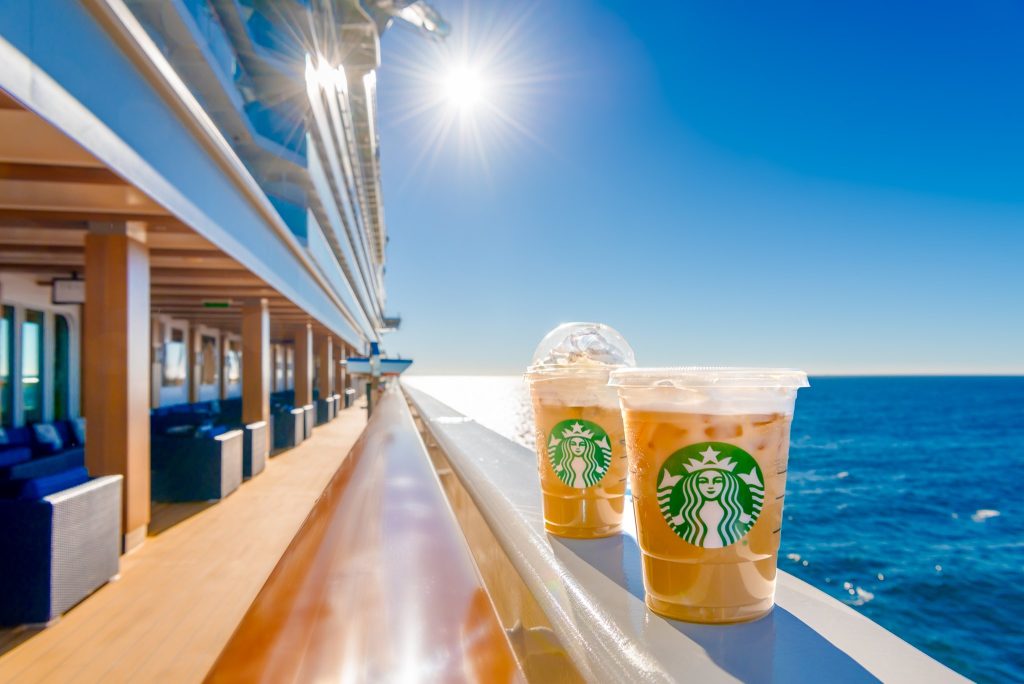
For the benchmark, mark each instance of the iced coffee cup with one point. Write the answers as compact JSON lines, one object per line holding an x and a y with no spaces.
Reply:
{"x":708,"y":451}
{"x":580,"y":452}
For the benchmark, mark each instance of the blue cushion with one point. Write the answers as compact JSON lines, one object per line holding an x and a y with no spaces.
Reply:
{"x":14,"y":455}
{"x":216,"y":430}
{"x":47,"y":438}
{"x":3,"y":437}
{"x":45,"y":465}
{"x":38,"y":487}
{"x":19,"y":436}
{"x":63,"y":428}
{"x":78,"y":430}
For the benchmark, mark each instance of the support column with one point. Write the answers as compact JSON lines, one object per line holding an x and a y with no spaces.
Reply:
{"x":324,"y":346}
{"x":116,"y":398}
{"x":255,"y":361}
{"x":303,"y":365}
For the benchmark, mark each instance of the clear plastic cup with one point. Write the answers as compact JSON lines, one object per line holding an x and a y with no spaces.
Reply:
{"x":580,"y":450}
{"x":708,"y":451}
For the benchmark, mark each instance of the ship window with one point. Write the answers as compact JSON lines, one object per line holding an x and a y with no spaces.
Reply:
{"x":290,"y":351}
{"x":233,"y":362}
{"x":278,"y":368}
{"x":61,"y":365}
{"x":32,"y":365}
{"x":6,"y":362}
{"x":174,"y":359}
{"x":208,"y":360}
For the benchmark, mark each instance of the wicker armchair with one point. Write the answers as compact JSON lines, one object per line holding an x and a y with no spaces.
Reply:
{"x":56,"y":550}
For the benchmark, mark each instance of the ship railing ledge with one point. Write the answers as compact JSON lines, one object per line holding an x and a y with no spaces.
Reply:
{"x":592,"y":591}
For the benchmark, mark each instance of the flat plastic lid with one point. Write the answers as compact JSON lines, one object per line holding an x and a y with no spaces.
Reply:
{"x":710,"y":377}
{"x":581,"y":348}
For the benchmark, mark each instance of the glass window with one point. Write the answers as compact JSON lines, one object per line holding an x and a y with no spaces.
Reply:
{"x":6,"y":363}
{"x":175,"y":361}
{"x":291,"y":367}
{"x":32,"y":366}
{"x":279,"y":368}
{"x":208,"y":360}
{"x":61,"y":364}
{"x":233,"y":362}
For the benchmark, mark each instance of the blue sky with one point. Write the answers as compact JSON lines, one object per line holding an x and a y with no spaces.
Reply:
{"x":837,"y":187}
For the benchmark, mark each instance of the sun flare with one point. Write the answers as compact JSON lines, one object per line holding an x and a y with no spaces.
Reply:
{"x":464,"y":87}
{"x":476,"y":92}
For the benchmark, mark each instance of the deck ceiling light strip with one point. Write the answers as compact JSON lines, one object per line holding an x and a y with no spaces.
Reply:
{"x":139,"y":47}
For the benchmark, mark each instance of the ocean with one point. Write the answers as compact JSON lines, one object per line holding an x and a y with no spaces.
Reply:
{"x":905,"y":500}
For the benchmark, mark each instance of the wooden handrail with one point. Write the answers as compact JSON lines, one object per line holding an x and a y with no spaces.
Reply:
{"x":378,"y":584}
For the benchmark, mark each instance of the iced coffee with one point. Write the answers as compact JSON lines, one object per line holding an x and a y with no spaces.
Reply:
{"x":708,"y":452}
{"x":580,"y":450}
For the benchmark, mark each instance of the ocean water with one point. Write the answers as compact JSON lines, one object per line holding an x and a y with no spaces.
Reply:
{"x":905,"y":500}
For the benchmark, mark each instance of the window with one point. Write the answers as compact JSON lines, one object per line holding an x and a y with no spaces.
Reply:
{"x":6,"y":363}
{"x":175,"y":361}
{"x":290,"y":351}
{"x":233,"y":362}
{"x":61,"y":365}
{"x":208,"y":360}
{"x":279,"y":372}
{"x":32,"y":365}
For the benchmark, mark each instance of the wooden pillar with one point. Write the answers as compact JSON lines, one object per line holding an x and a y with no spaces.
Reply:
{"x":255,"y":361}
{"x":324,"y":345}
{"x":116,"y":398}
{"x":303,"y":365}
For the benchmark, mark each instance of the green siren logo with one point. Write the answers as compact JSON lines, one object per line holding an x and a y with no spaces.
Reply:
{"x":579,"y":452}
{"x":710,"y":493}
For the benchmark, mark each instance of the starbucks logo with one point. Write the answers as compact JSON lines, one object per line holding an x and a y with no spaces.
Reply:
{"x":710,"y":493}
{"x":579,"y":452}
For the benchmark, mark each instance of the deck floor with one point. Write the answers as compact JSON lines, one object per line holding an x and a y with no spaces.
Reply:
{"x":182,"y":593}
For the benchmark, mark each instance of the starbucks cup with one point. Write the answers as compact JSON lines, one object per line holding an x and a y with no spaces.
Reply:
{"x":580,"y":452}
{"x":708,"y":451}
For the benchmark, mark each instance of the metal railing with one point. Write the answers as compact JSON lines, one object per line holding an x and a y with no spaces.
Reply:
{"x":592,"y":591}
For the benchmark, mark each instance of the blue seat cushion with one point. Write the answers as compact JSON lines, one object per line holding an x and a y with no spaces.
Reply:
{"x":38,"y":487}
{"x":211,"y":431}
{"x":14,"y":455}
{"x":45,"y":465}
{"x":48,"y":439}
{"x":18,"y":436}
{"x":78,"y":430}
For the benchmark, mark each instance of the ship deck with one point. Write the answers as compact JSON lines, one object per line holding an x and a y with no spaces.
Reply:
{"x":182,"y":593}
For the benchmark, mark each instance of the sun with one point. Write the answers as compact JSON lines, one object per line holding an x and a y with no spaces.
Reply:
{"x":464,"y":87}
{"x":478,"y":92}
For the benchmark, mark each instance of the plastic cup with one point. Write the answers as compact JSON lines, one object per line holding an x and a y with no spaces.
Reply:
{"x":580,"y":449}
{"x":708,"y":451}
